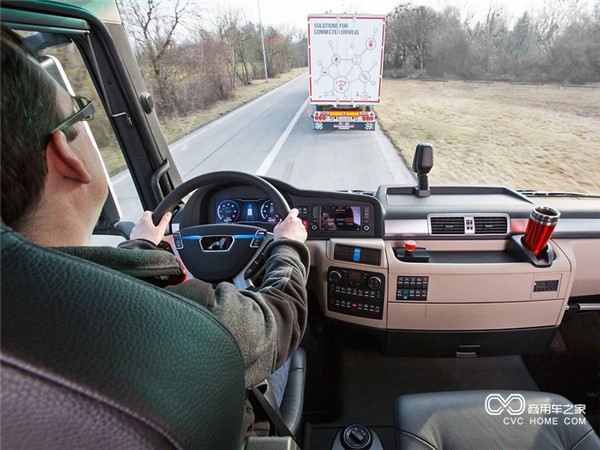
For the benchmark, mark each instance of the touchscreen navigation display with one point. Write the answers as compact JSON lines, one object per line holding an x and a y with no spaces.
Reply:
{"x":342,"y":218}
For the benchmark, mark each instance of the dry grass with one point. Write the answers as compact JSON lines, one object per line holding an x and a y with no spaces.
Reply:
{"x":525,"y":137}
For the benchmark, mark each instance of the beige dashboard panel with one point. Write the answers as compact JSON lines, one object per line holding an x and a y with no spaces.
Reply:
{"x":497,"y":294}
{"x":585,"y":255}
{"x":475,"y":316}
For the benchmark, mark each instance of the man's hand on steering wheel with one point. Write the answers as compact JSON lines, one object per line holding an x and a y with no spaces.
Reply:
{"x":145,"y":228}
{"x":291,"y":228}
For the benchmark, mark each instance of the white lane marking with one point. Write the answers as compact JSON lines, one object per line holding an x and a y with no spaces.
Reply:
{"x":266,"y":164}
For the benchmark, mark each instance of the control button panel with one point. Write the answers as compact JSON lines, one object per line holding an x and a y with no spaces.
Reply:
{"x":303,"y":216}
{"x":355,"y":292}
{"x":412,"y":288}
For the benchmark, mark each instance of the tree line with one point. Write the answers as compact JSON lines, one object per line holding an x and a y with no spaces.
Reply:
{"x":189,"y":64}
{"x":559,"y":41}
{"x":193,"y":58}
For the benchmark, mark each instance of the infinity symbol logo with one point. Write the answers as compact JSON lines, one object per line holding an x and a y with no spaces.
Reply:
{"x":496,"y":404}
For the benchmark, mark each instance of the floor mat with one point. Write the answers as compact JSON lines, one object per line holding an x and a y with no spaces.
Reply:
{"x":371,"y":382}
{"x":572,"y":366}
{"x":367,"y":383}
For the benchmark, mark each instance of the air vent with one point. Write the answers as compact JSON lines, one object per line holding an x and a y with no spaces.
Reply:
{"x":447,"y":225}
{"x":491,"y":224}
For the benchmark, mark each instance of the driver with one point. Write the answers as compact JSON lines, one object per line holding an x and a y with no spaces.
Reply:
{"x":53,"y":190}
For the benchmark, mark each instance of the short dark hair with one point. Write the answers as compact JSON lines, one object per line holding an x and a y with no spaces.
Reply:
{"x":30,"y":111}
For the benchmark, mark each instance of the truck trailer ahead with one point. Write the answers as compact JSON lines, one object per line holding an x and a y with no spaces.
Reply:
{"x":345,"y":66}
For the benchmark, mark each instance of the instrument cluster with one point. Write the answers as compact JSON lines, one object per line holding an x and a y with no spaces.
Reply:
{"x":235,"y":210}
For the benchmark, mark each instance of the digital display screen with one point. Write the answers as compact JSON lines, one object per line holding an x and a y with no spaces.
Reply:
{"x":236,"y":210}
{"x":341,"y":218}
{"x":355,"y":275}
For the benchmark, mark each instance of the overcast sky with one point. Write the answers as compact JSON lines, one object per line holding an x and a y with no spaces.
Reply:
{"x":292,"y":13}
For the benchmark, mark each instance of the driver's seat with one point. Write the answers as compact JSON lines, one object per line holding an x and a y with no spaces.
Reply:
{"x":92,"y":358}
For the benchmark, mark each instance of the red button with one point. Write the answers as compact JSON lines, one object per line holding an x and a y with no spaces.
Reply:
{"x":410,"y":246}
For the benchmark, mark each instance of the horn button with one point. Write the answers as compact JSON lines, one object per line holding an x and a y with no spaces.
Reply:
{"x":219,"y":252}
{"x":216,"y":243}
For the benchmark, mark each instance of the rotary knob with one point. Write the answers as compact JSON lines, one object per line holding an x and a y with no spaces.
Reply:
{"x":374,"y":282}
{"x":357,"y":437}
{"x":334,"y":276}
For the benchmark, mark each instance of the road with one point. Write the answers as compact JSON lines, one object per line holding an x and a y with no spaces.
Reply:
{"x":273,"y":136}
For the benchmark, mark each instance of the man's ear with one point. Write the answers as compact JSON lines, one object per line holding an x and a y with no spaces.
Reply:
{"x":61,"y":158}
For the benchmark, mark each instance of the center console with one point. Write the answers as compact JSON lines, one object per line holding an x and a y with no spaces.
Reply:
{"x":466,"y":298}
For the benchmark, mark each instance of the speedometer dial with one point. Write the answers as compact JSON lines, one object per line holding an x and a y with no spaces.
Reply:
{"x":268,"y":213}
{"x":228,"y":211}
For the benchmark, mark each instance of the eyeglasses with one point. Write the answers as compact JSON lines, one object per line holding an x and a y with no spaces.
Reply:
{"x":85,"y":113}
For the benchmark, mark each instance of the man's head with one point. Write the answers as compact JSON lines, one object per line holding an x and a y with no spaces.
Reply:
{"x":42,"y":167}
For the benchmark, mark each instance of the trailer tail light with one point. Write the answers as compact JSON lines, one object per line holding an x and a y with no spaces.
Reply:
{"x":368,"y":117}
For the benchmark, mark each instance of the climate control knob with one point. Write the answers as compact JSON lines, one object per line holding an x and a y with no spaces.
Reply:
{"x":374,"y":282}
{"x":334,"y":276}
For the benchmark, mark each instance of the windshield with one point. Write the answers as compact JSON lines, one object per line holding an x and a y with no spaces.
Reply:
{"x":507,"y":93}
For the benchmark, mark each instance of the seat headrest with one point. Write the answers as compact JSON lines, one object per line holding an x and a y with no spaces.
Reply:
{"x":87,"y":351}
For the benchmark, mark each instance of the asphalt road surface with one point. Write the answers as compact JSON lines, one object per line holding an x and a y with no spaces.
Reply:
{"x":273,"y":136}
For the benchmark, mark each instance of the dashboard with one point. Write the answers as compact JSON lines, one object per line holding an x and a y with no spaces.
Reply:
{"x":323,"y":214}
{"x":338,"y":217}
{"x":467,"y":288}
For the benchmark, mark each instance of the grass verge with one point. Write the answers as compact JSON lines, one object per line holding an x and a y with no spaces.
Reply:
{"x":522,"y":136}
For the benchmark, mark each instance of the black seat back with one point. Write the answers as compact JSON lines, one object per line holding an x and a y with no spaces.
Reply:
{"x":92,"y":358}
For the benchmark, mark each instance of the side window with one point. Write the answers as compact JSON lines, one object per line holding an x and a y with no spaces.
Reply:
{"x":65,"y":63}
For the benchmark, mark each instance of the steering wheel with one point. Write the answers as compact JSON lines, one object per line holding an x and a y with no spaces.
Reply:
{"x":219,"y":252}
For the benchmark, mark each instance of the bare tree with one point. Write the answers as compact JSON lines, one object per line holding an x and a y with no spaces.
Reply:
{"x":576,"y":53}
{"x":450,"y":50}
{"x":152,"y":24}
{"x":520,"y":43}
{"x":409,"y":35}
{"x":486,"y":39}
{"x":242,"y":39}
{"x":422,"y":21}
{"x":396,"y":46}
{"x":551,"y":18}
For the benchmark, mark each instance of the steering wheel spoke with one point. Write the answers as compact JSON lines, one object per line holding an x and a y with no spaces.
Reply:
{"x":246,"y":278}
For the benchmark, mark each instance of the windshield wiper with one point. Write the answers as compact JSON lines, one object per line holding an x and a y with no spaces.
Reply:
{"x":533,"y":193}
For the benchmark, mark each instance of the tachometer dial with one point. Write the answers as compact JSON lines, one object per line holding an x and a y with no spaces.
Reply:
{"x":228,"y":211}
{"x":268,"y":213}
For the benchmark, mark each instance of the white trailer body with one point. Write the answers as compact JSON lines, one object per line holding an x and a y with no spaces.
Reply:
{"x":345,"y":62}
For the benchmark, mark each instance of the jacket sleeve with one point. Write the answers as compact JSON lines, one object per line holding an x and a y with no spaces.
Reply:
{"x":268,"y":324}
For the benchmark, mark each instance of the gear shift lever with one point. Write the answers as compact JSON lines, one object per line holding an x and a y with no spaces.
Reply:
{"x":422,"y":164}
